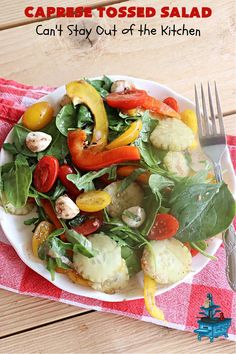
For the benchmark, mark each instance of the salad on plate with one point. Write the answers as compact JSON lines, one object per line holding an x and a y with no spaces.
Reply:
{"x":116,"y":185}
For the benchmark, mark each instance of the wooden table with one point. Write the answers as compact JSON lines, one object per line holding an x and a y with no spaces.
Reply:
{"x":32,"y":325}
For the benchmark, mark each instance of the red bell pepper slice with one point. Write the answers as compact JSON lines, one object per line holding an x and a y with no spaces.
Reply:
{"x":88,"y":159}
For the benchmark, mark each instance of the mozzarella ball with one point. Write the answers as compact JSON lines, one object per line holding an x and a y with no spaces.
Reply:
{"x":176,"y":162}
{"x":66,"y":208}
{"x":131,"y":196}
{"x":106,"y":270}
{"x":120,"y":86}
{"x":134,"y":216}
{"x":172,"y":134}
{"x":38,"y":141}
{"x":167,"y":262}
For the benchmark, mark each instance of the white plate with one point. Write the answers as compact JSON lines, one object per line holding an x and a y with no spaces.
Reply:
{"x":20,"y":235}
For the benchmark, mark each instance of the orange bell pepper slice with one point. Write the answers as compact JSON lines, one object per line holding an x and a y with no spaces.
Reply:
{"x":49,"y":211}
{"x":159,"y":107}
{"x":125,"y":171}
{"x":88,"y":159}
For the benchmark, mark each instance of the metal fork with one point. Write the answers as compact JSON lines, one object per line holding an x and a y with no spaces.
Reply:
{"x":213,"y":142}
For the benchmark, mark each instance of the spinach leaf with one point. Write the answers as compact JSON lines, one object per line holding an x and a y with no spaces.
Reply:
{"x":16,"y":182}
{"x":66,"y":119}
{"x":78,"y":220}
{"x":80,"y":243}
{"x":102,"y":86}
{"x":132,"y":259}
{"x":58,"y":147}
{"x":10,"y":148}
{"x":203,"y":211}
{"x":85,"y":181}
{"x":158,"y":182}
{"x":19,"y":136}
{"x":84,"y":116}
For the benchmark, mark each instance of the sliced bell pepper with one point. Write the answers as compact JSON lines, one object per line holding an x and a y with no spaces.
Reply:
{"x":127,"y":137}
{"x":88,"y":159}
{"x":150,"y":287}
{"x":159,"y":107}
{"x":125,"y":171}
{"x":82,"y":92}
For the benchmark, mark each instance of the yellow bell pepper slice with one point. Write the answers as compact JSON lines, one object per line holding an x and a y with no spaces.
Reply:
{"x":82,"y":92}
{"x":150,"y":287}
{"x":43,"y":230}
{"x":190,"y":119}
{"x":128,"y":137}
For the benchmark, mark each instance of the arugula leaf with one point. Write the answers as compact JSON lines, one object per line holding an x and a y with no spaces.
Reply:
{"x":80,"y":243}
{"x":148,"y":125}
{"x":58,"y":191}
{"x":16,"y":182}
{"x":31,"y":221}
{"x":151,"y":205}
{"x":85,"y":181}
{"x":51,"y":266}
{"x":129,"y":179}
{"x":158,"y":182}
{"x":19,"y":136}
{"x":203,"y":211}
{"x":132,"y":259}
{"x":66,"y":119}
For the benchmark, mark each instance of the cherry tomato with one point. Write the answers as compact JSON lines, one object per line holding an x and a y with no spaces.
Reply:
{"x":93,"y":201}
{"x":43,"y":230}
{"x":37,"y":116}
{"x":128,"y":100}
{"x":92,"y":224}
{"x":45,"y":173}
{"x":65,"y":170}
{"x":171,"y":102}
{"x":165,"y":226}
{"x":192,"y":250}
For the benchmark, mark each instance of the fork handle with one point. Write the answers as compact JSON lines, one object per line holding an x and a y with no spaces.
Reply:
{"x":229,"y":239}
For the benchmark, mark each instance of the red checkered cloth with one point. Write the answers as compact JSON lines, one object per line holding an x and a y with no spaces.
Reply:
{"x":180,"y":305}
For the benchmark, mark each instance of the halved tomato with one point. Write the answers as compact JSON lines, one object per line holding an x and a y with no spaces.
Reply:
{"x":45,"y":173}
{"x":127,"y":100}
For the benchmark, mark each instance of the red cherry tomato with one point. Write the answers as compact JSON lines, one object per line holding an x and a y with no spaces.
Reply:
{"x":165,"y":226}
{"x":192,"y":250}
{"x":127,"y":100}
{"x":45,"y":173}
{"x":91,"y":225}
{"x":65,"y":170}
{"x":171,"y":102}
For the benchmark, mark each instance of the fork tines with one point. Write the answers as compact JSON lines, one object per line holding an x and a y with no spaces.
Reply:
{"x":209,"y":125}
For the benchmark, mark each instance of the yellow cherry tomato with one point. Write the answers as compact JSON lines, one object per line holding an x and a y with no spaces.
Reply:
{"x":128,"y":136}
{"x":37,"y":116}
{"x":93,"y":201}
{"x":150,"y":287}
{"x":43,"y":230}
{"x":190,"y":119}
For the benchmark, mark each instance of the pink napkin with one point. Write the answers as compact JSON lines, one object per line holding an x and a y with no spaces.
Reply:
{"x":180,"y":305}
